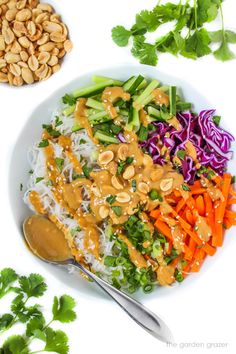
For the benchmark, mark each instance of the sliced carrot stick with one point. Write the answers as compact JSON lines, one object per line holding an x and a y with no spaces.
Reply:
{"x":200,"y":205}
{"x":196,"y":185}
{"x":198,"y":191}
{"x":209,"y":249}
{"x":190,"y":203}
{"x":228,"y":223}
{"x":163,"y":228}
{"x":231,"y":201}
{"x":196,"y":265}
{"x":188,"y":253}
{"x":230,"y":214}
{"x":217,"y":239}
{"x":199,"y":254}
{"x":189,"y":217}
{"x":155,"y":213}
{"x":180,"y":205}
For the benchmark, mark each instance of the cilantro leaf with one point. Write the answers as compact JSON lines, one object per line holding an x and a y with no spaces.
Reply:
{"x":36,"y":323}
{"x":147,"y":20}
{"x":145,"y":52}
{"x":197,"y":45}
{"x":69,"y":99}
{"x":218,"y":36}
{"x":207,"y":10}
{"x":33,"y":286}
{"x":7,"y":277}
{"x":15,"y":345}
{"x":63,"y":309}
{"x":121,"y":36}
{"x":56,"y":341}
{"x":223,"y":53}
{"x":60,"y":163}
{"x":43,"y":143}
{"x":5,"y":321}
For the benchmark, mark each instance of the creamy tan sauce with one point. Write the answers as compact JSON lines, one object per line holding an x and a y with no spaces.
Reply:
{"x":111,"y":95}
{"x":203,"y":230}
{"x":160,"y":97}
{"x":82,"y":120}
{"x":165,"y":275}
{"x":66,"y":143}
{"x":135,"y":256}
{"x":35,"y":200}
{"x":46,"y":240}
{"x":191,"y":151}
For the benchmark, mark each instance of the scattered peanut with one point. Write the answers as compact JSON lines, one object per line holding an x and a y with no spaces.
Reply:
{"x":122,"y":152}
{"x":143,"y":188}
{"x":105,"y":157}
{"x":33,"y":40}
{"x":166,"y":184}
{"x":103,"y":211}
{"x":116,"y":183}
{"x":123,"y":197}
{"x":129,"y":172}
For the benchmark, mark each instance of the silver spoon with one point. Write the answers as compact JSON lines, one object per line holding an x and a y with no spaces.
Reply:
{"x":48,"y":243}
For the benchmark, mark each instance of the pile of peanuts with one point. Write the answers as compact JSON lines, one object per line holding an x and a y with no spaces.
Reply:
{"x":33,"y":40}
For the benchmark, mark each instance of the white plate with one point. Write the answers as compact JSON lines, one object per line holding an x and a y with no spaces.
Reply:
{"x":31,"y":132}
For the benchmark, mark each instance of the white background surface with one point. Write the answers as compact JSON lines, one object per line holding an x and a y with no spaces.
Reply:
{"x":202,"y":310}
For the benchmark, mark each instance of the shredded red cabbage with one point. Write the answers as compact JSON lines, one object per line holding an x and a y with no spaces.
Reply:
{"x":211,"y":142}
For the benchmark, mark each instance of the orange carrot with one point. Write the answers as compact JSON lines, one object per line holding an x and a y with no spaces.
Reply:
{"x":189,"y":217}
{"x":190,"y":203}
{"x":155,"y":213}
{"x":180,"y":205}
{"x":230,"y":214}
{"x":217,"y":239}
{"x":231,"y":201}
{"x":164,"y":229}
{"x":198,"y":191}
{"x":200,"y":205}
{"x":196,"y":185}
{"x":188,"y":253}
{"x":170,"y":247}
{"x":196,"y":265}
{"x":199,"y":254}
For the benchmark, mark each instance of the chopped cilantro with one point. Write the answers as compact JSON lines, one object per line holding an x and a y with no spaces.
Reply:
{"x":69,"y":99}
{"x":216,"y":120}
{"x":31,"y":172}
{"x":21,"y":187}
{"x":82,"y":141}
{"x":39,"y":179}
{"x":43,"y":143}
{"x":60,"y":163}
{"x":154,"y":194}
{"x":52,"y":132}
{"x":122,"y":165}
{"x":58,"y":121}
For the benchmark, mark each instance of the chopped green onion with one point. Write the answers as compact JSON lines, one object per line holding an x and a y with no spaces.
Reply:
{"x":120,"y":261}
{"x":185,"y":187}
{"x":178,"y":276}
{"x":148,"y":288}
{"x":117,"y":210}
{"x":111,"y":199}
{"x":134,"y":185}
{"x":154,"y":195}
{"x":110,"y":261}
{"x":86,"y":170}
{"x":181,"y":154}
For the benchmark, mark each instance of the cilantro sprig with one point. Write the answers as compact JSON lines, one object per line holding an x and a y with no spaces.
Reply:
{"x":36,"y":327}
{"x":188,"y":37}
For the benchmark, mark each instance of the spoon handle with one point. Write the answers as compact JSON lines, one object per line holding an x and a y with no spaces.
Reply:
{"x":139,"y":313}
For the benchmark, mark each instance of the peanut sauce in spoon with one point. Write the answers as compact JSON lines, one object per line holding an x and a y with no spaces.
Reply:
{"x":45,"y":239}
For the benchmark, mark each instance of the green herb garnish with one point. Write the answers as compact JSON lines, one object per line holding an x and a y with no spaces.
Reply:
{"x":188,"y":36}
{"x":134,"y":185}
{"x":43,"y":143}
{"x":154,"y":195}
{"x":31,"y":316}
{"x":60,"y":163}
{"x":110,"y":261}
{"x":216,"y":120}
{"x":82,"y":141}
{"x":39,"y":179}
{"x":52,"y":132}
{"x":185,"y":187}
{"x":181,"y":154}
{"x":86,"y":170}
{"x":58,"y":121}
{"x":21,"y":187}
{"x":111,"y":199}
{"x":69,"y":99}
{"x":123,"y":164}
{"x":117,"y":210}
